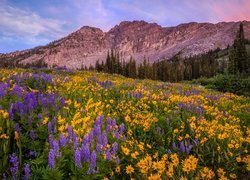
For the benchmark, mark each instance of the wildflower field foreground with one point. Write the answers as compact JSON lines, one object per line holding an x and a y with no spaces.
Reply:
{"x":84,"y":125}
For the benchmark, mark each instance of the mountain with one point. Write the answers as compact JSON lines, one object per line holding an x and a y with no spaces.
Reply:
{"x":138,"y":39}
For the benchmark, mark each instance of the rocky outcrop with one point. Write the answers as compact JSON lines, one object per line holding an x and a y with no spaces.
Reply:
{"x":138,"y":39}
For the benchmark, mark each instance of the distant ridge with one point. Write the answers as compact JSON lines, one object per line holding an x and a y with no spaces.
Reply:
{"x":138,"y":39}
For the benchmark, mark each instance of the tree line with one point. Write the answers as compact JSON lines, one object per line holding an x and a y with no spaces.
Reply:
{"x":173,"y":69}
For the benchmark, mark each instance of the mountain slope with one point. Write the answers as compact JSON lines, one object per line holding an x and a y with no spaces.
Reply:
{"x":137,"y":38}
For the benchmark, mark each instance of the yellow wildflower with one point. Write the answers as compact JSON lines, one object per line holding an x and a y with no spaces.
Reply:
{"x":220,"y":172}
{"x":183,"y":178}
{"x":189,"y":164}
{"x":117,"y":169}
{"x":129,"y":169}
{"x":125,"y":150}
{"x":154,"y":177}
{"x":159,"y":166}
{"x":207,"y":173}
{"x":174,"y":158}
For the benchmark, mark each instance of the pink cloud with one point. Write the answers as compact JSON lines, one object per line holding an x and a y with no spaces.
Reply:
{"x":230,"y":10}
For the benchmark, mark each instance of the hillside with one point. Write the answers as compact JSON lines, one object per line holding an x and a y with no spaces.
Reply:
{"x":138,"y":39}
{"x":58,"y":124}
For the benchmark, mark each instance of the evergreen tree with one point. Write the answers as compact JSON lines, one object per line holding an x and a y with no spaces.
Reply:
{"x":238,"y":59}
{"x":108,"y":63}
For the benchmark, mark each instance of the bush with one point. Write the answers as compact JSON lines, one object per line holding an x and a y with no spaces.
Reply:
{"x":236,"y":84}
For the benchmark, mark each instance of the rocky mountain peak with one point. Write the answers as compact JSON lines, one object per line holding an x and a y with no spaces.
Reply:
{"x":138,"y":39}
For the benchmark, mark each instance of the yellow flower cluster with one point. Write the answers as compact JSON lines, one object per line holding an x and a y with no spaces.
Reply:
{"x":189,"y":164}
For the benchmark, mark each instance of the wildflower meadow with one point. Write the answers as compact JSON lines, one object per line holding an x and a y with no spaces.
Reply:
{"x":63,"y":124}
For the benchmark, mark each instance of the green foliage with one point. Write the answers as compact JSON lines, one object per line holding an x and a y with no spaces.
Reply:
{"x":53,"y":174}
{"x":227,"y":83}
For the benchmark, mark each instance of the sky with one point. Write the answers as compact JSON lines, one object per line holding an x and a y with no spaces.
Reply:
{"x":29,"y":23}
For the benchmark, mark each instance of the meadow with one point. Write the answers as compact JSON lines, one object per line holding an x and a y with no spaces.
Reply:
{"x":62,"y":124}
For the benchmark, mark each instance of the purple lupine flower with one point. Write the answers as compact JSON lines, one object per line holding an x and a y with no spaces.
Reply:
{"x":114,"y":148}
{"x":109,"y":120}
{"x":53,"y":121}
{"x":51,"y":159}
{"x":85,"y":152}
{"x":32,"y":135}
{"x":101,"y":119}
{"x":50,"y":140}
{"x":174,"y":145}
{"x":99,"y":139}
{"x":62,"y":101}
{"x":122,"y":128}
{"x":109,"y":124}
{"x":85,"y":139}
{"x":200,"y":110}
{"x":104,"y":139}
{"x":97,"y":130}
{"x":4,"y":176}
{"x":26,"y":172}
{"x":49,"y":127}
{"x":188,"y":149}
{"x":98,"y":147}
{"x":92,"y":165}
{"x":118,"y":160}
{"x":108,"y":155}
{"x":117,"y":135}
{"x":98,"y":121}
{"x":78,"y":162}
{"x":17,"y":90}
{"x":74,"y":136}
{"x":182,"y":147}
{"x":33,"y":153}
{"x":70,"y":132}
{"x":56,"y":148}
{"x":29,"y":120}
{"x":17,"y":128}
{"x":39,"y":116}
{"x":76,"y":142}
{"x":14,"y":165}
{"x":11,"y":113}
{"x":91,"y":136}
{"x":63,"y":140}
{"x":108,"y":127}
{"x":113,"y":123}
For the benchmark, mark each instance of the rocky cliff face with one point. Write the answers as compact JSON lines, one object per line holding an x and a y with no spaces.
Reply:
{"x":138,"y":39}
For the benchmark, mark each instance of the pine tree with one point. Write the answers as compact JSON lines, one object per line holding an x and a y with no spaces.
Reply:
{"x":107,"y":64}
{"x":97,"y":66}
{"x":238,"y":59}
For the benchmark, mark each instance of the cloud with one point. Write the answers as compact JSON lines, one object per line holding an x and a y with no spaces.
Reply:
{"x":16,"y":23}
{"x":93,"y":13}
{"x":33,"y":23}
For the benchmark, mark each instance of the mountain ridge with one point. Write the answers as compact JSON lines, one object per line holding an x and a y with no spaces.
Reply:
{"x":138,"y":39}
